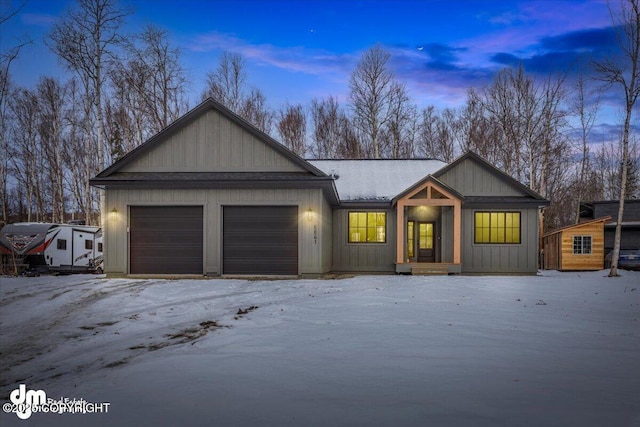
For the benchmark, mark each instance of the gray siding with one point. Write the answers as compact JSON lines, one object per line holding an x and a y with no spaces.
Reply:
{"x":446,"y":229}
{"x":362,"y":257}
{"x":495,"y":258}
{"x":326,"y":231}
{"x":472,"y":179}
{"x":631,"y":210}
{"x":313,"y":250}
{"x":212,"y":144}
{"x":630,"y":238}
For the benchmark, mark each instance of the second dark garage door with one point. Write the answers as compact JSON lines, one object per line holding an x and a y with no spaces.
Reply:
{"x":165,"y":240}
{"x":260,"y":240}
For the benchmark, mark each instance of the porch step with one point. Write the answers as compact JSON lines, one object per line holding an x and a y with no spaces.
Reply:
{"x":429,"y":270}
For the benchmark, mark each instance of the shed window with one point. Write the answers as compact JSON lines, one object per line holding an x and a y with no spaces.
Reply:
{"x":497,"y":227}
{"x":367,"y":227}
{"x":582,"y":245}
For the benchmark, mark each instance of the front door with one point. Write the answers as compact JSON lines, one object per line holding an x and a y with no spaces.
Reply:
{"x":426,"y":248}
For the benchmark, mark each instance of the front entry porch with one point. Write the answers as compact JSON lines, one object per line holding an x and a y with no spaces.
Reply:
{"x":429,"y":216}
{"x":428,"y":268}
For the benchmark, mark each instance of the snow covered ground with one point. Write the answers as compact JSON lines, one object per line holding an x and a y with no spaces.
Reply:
{"x":559,"y":349}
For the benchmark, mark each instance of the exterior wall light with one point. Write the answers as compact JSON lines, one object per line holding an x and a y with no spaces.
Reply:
{"x":310,"y":214}
{"x":113,"y":213}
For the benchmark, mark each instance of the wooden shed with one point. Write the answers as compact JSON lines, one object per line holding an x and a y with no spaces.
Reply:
{"x":576,"y":247}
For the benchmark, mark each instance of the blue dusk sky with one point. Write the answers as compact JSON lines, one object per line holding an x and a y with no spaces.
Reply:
{"x":299,"y":50}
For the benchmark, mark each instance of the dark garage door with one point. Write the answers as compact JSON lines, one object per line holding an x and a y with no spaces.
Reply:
{"x":260,"y":240}
{"x":165,"y":240}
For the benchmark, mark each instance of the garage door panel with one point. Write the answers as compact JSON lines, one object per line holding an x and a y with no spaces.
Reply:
{"x":166,"y":240}
{"x":260,"y":240}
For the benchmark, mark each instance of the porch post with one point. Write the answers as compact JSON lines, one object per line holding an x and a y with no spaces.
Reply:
{"x":400,"y":232}
{"x":457,"y":227}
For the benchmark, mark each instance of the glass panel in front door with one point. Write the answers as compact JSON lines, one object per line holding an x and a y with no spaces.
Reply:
{"x":425,"y":235}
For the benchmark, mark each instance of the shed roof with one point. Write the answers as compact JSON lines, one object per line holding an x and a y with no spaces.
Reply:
{"x":580,"y":224}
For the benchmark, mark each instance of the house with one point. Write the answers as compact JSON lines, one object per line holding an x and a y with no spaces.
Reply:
{"x":213,"y":195}
{"x":576,"y":247}
{"x":630,"y":235}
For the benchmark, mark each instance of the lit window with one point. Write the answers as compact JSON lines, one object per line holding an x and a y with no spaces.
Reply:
{"x":410,"y":239}
{"x":581,"y":245}
{"x":497,"y":227}
{"x":367,"y":227}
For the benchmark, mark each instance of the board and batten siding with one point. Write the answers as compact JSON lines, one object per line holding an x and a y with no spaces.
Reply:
{"x":501,"y":258}
{"x":446,"y":241}
{"x":472,"y":179}
{"x":212,"y":143}
{"x":362,"y":257}
{"x":313,"y":249}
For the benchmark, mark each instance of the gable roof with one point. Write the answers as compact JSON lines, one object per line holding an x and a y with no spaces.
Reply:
{"x":377,"y":180}
{"x":422,"y":182}
{"x":469,"y":155}
{"x":190,"y":117}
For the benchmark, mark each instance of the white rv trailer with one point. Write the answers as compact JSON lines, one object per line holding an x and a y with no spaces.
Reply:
{"x":57,"y":248}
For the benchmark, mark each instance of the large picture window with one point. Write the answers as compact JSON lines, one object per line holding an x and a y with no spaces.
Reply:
{"x":497,"y":227}
{"x":367,"y":227}
{"x":582,"y":245}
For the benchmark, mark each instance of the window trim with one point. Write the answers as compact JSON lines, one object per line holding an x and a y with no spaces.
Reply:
{"x":367,"y":212}
{"x":475,"y":226}
{"x":582,"y":238}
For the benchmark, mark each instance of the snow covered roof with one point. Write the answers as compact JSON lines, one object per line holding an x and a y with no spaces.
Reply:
{"x":379,"y":180}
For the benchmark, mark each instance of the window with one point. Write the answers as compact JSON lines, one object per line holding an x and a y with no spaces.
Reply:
{"x":367,"y":227}
{"x":410,"y":239}
{"x":62,"y":244}
{"x":88,"y":244}
{"x":100,"y":247}
{"x":581,"y":245}
{"x":497,"y":227}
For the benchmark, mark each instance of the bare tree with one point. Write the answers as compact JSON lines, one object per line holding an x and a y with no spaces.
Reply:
{"x":164,"y":85}
{"x":7,"y":55}
{"x":227,"y":83}
{"x":371,"y":95}
{"x":85,"y":39}
{"x":26,"y":152}
{"x":5,"y":95}
{"x":126,"y":109}
{"x":479,"y":132}
{"x":77,"y":159}
{"x":586,"y":110}
{"x":624,"y":72}
{"x":397,"y":136}
{"x":326,"y":119}
{"x":292,"y":127}
{"x":50,"y":123}
{"x":255,"y":110}
{"x":529,"y":123}
{"x":437,"y":133}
